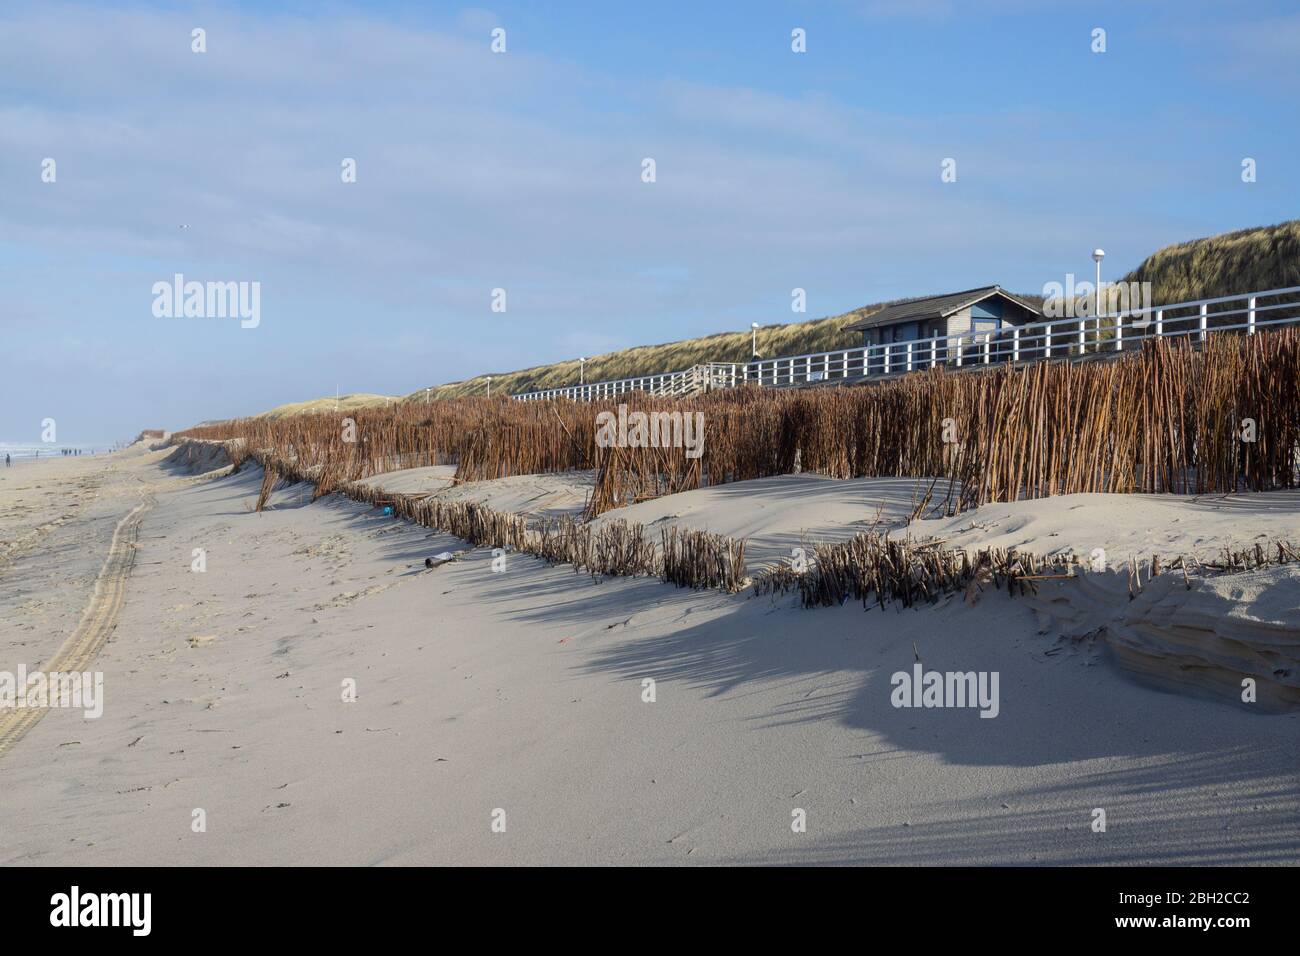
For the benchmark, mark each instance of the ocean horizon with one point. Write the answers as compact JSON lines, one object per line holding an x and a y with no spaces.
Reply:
{"x":38,"y":450}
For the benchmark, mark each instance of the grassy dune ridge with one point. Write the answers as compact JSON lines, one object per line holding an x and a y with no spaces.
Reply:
{"x":344,"y":403}
{"x":1246,"y":260}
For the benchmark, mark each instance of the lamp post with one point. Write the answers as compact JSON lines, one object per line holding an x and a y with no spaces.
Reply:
{"x":1097,"y":256}
{"x":489,"y":384}
{"x":753,"y":339}
{"x":582,"y":370}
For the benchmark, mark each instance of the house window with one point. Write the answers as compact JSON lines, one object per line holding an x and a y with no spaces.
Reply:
{"x":986,"y":316}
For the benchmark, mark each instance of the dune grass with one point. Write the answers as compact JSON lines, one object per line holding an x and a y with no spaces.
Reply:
{"x":1248,"y":260}
{"x":816,"y":335}
{"x":346,"y":403}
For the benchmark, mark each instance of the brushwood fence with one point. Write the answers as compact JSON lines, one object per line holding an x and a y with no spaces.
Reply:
{"x":1221,"y":418}
{"x":871,"y":567}
{"x":689,"y":559}
{"x":877,"y":570}
{"x":1171,"y":418}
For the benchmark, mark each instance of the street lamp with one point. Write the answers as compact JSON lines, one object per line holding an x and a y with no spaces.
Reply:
{"x":1097,"y":256}
{"x":489,"y":384}
{"x":582,"y":370}
{"x":753,"y":339}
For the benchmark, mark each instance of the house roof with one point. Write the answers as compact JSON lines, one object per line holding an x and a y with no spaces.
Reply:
{"x":934,"y":307}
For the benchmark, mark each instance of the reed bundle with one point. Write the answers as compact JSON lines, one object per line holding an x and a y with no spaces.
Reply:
{"x":698,"y":559}
{"x":875,"y":569}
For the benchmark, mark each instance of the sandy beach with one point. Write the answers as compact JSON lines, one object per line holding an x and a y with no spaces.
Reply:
{"x":519,"y":693}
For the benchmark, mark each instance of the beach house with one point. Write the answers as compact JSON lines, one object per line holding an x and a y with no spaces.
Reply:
{"x":976,"y":311}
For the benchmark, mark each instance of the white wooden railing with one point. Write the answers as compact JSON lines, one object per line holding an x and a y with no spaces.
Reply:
{"x":1055,"y":339}
{"x":697,"y":378}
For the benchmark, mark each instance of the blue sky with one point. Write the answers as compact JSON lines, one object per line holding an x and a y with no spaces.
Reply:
{"x":521,"y":171}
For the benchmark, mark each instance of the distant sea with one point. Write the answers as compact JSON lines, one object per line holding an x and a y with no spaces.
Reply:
{"x":24,"y":451}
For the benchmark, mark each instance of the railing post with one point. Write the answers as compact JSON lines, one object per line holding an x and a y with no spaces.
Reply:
{"x":885,"y":358}
{"x":987,"y":338}
{"x":1250,"y":317}
{"x":1160,"y":322}
{"x":934,"y":351}
{"x":1083,"y":335}
{"x":1047,"y":340}
{"x":1119,"y":333}
{"x":1205,"y":320}
{"x":909,"y":356}
{"x":1015,"y":344}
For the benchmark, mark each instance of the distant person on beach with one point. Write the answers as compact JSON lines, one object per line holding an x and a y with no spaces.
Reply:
{"x":7,"y":462}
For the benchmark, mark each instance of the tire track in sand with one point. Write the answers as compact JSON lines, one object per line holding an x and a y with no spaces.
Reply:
{"x":97,"y":622}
